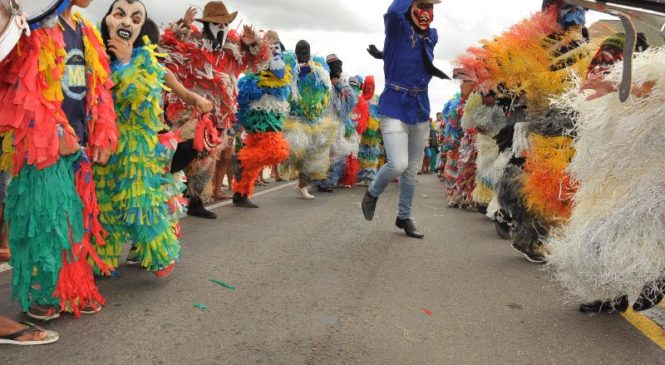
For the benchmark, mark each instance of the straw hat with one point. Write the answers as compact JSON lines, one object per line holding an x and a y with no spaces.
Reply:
{"x":216,"y":12}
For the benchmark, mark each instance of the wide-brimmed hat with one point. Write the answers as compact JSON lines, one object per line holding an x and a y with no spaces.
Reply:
{"x":216,"y":12}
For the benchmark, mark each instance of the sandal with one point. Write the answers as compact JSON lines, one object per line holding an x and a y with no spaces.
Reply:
{"x":5,"y":254}
{"x":12,"y":339}
{"x":45,"y":314}
{"x":164,"y":272}
{"x":91,"y":308}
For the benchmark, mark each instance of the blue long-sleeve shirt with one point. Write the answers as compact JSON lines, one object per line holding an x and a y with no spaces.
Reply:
{"x":405,"y":96}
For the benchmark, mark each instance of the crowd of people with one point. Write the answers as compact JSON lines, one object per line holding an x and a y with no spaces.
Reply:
{"x":110,"y":136}
{"x":569,"y":175}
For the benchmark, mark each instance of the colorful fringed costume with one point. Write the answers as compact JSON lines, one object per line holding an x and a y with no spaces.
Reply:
{"x":488,"y":121}
{"x":347,"y":140}
{"x":212,"y":73}
{"x":309,"y":128}
{"x":453,"y":112}
{"x":536,"y":59}
{"x":263,"y":106}
{"x":360,"y":117}
{"x":613,"y":244}
{"x":137,"y":204}
{"x":51,"y":207}
{"x":370,"y":144}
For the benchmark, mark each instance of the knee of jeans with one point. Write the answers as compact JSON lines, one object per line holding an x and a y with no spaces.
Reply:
{"x":399,"y":165}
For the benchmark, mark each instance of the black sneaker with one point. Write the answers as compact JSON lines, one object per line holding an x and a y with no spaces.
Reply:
{"x":132,"y":256}
{"x":503,"y":230}
{"x":618,"y":305}
{"x":369,"y":205}
{"x":196,"y":209}
{"x":650,"y":296}
{"x":530,"y":254}
{"x":243,"y":201}
{"x":409,"y":227}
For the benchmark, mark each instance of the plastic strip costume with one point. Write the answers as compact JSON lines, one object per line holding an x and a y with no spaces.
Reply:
{"x":370,"y":144}
{"x":212,"y":73}
{"x":263,"y":106}
{"x":309,"y":128}
{"x":51,"y":207}
{"x":136,"y":203}
{"x":613,"y":243}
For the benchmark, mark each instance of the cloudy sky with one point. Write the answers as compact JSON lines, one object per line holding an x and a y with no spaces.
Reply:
{"x":346,"y":27}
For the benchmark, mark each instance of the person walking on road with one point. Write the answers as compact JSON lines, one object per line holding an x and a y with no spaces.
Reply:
{"x":408,"y":54}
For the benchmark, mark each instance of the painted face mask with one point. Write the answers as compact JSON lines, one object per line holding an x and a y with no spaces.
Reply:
{"x":570,"y":15}
{"x":126,"y":20}
{"x":422,"y":15}
{"x":277,"y":65}
{"x":220,"y":32}
{"x":369,"y":88}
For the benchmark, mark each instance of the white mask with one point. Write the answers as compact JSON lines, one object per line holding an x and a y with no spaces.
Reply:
{"x":217,"y":29}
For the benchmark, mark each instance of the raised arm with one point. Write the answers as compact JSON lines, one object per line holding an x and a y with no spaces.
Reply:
{"x":395,"y":15}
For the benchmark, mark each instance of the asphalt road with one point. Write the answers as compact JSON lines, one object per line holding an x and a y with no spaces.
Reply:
{"x":316,"y":284}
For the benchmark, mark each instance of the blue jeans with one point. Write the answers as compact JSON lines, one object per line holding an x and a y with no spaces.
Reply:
{"x":405,"y":147}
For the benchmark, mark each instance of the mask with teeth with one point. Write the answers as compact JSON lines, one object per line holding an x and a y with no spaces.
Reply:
{"x":219,"y":32}
{"x":277,"y":65}
{"x":126,"y":20}
{"x":422,"y":15}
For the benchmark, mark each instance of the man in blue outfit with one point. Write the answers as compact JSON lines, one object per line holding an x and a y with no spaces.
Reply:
{"x":408,"y":54}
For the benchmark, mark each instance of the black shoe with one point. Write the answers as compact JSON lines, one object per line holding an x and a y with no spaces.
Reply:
{"x":196,"y":209}
{"x":243,"y":201}
{"x":324,"y":189}
{"x":503,"y":230}
{"x":650,"y":296}
{"x":409,"y":227}
{"x":530,"y":254}
{"x":369,"y":205}
{"x":617,"y":305}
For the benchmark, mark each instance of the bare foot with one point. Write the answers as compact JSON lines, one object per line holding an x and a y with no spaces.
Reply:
{"x":8,"y":326}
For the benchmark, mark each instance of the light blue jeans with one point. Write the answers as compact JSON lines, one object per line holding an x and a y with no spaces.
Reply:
{"x":405,"y":147}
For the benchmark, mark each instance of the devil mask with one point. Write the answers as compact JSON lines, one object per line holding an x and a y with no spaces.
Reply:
{"x":125,"y":20}
{"x":422,"y":15}
{"x":369,"y":88}
{"x":303,"y":52}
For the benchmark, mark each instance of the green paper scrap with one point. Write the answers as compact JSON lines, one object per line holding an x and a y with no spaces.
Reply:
{"x":221,"y":283}
{"x":200,"y":306}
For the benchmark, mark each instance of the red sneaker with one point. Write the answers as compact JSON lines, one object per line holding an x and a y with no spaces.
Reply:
{"x":162,"y":273}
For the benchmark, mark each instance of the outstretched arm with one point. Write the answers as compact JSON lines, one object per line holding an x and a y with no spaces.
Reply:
{"x":189,"y":97}
{"x":395,"y":15}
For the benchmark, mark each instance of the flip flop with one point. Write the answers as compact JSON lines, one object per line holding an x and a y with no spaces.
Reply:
{"x":43,"y":313}
{"x":12,"y":339}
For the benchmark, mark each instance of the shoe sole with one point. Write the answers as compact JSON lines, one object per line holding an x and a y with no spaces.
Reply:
{"x":532,"y":260}
{"x":43,"y":318}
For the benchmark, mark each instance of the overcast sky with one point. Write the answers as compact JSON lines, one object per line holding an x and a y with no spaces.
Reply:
{"x":346,"y":27}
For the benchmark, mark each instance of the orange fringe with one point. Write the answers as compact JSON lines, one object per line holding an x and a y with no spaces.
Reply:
{"x":261,"y":150}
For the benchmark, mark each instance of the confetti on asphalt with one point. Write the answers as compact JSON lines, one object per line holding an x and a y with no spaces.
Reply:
{"x":221,"y":283}
{"x":200,"y":306}
{"x":427,"y":311}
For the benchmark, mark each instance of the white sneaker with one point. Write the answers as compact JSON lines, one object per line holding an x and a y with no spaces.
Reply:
{"x":304,"y":194}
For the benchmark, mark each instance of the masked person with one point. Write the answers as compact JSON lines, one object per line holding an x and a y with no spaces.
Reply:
{"x":360,"y":117}
{"x":404,"y":104}
{"x":346,"y":144}
{"x":370,"y":151}
{"x":57,"y":110}
{"x":133,"y":193}
{"x":263,"y":106}
{"x":208,"y":62}
{"x":309,"y":128}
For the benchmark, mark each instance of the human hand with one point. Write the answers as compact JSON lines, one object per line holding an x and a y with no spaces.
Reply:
{"x":202,"y":104}
{"x":190,"y":14}
{"x":601,"y":87}
{"x":69,"y":144}
{"x":249,"y":36}
{"x":101,"y":155}
{"x":121,"y":49}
